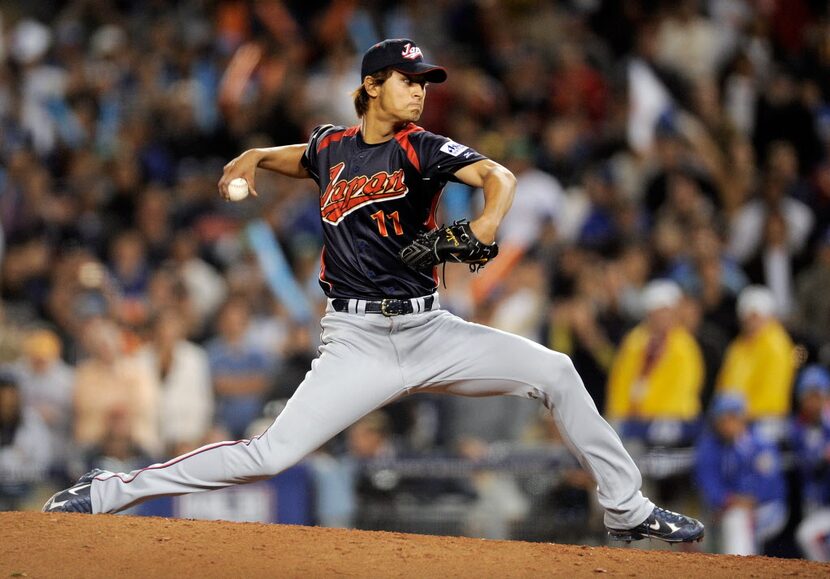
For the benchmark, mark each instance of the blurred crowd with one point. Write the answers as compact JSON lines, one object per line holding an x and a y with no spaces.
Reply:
{"x":670,"y":232}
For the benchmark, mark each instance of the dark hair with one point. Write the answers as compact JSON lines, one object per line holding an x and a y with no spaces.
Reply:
{"x":361,"y":97}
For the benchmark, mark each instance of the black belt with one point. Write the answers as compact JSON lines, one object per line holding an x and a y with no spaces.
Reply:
{"x":388,"y":307}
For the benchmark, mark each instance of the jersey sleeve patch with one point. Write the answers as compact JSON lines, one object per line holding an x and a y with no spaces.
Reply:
{"x":453,"y":148}
{"x":441,"y":157}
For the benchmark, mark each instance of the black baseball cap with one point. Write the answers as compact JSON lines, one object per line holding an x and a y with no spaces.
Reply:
{"x":403,"y":55}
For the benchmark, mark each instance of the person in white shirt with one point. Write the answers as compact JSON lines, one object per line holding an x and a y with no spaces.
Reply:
{"x":182,"y":370}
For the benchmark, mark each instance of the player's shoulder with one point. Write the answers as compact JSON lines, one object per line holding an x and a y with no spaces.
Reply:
{"x":420,"y":136}
{"x":417,"y":134}
{"x":324,"y":135}
{"x":325,"y":129}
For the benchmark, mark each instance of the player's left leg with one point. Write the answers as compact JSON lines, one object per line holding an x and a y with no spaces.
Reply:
{"x":458,"y":357}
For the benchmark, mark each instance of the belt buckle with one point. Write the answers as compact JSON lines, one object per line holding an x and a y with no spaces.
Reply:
{"x":391,"y":307}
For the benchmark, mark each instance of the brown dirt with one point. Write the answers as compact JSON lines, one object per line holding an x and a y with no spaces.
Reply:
{"x":68,"y":545}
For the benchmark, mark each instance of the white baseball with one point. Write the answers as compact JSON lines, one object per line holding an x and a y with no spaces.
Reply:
{"x":237,"y":189}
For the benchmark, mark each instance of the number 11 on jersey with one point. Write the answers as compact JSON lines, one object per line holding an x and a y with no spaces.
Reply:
{"x":381,"y":218}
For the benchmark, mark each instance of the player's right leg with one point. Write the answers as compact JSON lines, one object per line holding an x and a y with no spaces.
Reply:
{"x":348,"y":380}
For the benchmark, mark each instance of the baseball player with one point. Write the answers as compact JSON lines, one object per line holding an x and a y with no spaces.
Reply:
{"x":811,"y":440}
{"x":739,"y":473}
{"x":384,"y":334}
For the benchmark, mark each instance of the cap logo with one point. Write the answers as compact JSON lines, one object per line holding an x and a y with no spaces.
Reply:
{"x":411,"y":52}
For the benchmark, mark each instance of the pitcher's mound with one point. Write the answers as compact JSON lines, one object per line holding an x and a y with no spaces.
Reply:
{"x":67,"y":545}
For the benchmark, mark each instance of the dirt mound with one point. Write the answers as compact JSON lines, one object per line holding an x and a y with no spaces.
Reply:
{"x":65,"y":545}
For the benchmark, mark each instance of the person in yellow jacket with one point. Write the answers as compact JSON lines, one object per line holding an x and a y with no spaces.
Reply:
{"x":760,"y":363}
{"x":657,"y":375}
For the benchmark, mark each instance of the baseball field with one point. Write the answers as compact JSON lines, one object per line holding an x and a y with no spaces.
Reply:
{"x":68,"y":545}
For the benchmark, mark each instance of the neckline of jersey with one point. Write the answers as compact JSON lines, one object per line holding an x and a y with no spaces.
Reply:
{"x":362,"y":144}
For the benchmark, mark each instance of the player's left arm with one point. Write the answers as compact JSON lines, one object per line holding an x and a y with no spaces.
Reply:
{"x":499,"y":186}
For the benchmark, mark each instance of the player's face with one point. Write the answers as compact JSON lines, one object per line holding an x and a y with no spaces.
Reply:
{"x":401,"y":97}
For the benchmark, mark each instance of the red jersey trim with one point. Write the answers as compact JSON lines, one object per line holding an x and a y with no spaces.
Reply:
{"x":403,"y":140}
{"x":323,"y":269}
{"x":433,"y":209}
{"x":432,"y":224}
{"x":336,"y":136}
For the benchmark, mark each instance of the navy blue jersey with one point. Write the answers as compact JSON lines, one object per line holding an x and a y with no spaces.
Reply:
{"x":374,"y":200}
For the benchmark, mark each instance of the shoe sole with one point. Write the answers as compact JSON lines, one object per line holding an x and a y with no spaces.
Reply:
{"x":629,"y":537}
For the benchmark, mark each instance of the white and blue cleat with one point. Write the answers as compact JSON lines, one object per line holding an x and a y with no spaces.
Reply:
{"x":664,"y":525}
{"x":75,"y":499}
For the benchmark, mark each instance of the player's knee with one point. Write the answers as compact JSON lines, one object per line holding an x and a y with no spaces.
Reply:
{"x":560,"y":375}
{"x":279,"y":455}
{"x":565,"y":363}
{"x":562,"y":368}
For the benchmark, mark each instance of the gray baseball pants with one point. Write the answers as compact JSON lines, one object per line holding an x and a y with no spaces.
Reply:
{"x":369,"y":360}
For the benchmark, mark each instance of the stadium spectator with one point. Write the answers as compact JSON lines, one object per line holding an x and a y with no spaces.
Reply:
{"x":369,"y":439}
{"x":739,"y":474}
{"x":811,"y":440}
{"x":748,"y":227}
{"x":499,"y":502}
{"x":600,"y":229}
{"x":110,"y":381}
{"x":205,"y":286}
{"x":131,"y":273}
{"x":540,"y":199}
{"x":687,"y":41}
{"x":167,"y":291}
{"x":760,"y":363}
{"x":656,"y":378}
{"x":576,"y":331}
{"x":238,"y":368}
{"x":686,"y":207}
{"x":153,"y":223}
{"x":296,"y":359}
{"x":46,"y":383}
{"x":182,"y":371}
{"x":118,"y":447}
{"x":384,"y":497}
{"x":773,"y":264}
{"x":24,"y":458}
{"x":812,"y":296}
{"x":705,"y":257}
{"x":568,"y":496}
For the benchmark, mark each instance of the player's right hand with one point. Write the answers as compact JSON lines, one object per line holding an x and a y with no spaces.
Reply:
{"x":243,"y":166}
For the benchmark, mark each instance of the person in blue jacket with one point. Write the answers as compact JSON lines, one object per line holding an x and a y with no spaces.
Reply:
{"x":739,"y":475}
{"x":811,"y":441}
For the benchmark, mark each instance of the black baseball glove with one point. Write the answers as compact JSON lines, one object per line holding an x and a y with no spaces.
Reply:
{"x":454,"y":243}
